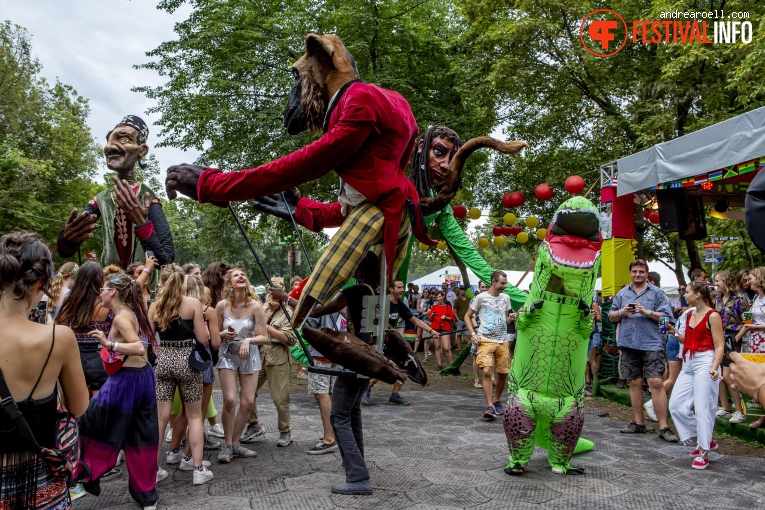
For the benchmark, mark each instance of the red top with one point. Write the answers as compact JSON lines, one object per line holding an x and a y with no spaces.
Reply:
{"x":436,"y":311}
{"x":699,"y":337}
{"x":369,"y":142}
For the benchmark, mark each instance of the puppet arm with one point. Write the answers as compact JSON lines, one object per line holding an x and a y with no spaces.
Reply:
{"x":307,"y":164}
{"x":458,"y":241}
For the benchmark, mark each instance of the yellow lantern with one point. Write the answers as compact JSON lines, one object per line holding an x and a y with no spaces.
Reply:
{"x":441,"y":245}
{"x":474,"y":213}
{"x":483,"y":243}
{"x":423,"y":246}
{"x":522,"y":238}
{"x":499,"y":241}
{"x":541,"y":233}
{"x":532,"y":222}
{"x":510,"y":218}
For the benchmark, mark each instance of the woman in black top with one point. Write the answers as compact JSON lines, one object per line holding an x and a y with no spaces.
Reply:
{"x":33,"y":358}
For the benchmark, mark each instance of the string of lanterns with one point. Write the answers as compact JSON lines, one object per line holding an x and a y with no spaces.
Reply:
{"x":574,"y":185}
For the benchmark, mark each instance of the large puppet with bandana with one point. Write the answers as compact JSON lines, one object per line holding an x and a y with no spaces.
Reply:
{"x":546,"y":381}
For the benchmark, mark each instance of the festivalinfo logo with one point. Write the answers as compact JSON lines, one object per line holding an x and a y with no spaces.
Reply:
{"x":604,"y":32}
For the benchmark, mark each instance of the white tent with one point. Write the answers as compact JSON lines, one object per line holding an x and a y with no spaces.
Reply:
{"x":669,"y":282}
{"x":436,"y":278}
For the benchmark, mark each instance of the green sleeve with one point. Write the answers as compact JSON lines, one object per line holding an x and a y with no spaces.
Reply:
{"x":458,"y":241}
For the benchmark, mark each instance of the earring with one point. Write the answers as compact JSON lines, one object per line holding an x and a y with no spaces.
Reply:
{"x":231,"y":291}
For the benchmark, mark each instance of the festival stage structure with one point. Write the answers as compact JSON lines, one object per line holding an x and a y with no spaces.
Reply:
{"x":671,"y":183}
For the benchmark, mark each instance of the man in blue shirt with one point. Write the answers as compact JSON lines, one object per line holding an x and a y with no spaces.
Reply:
{"x":638,"y":308}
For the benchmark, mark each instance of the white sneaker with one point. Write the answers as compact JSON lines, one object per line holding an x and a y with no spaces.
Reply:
{"x":152,"y":507}
{"x":161,"y":474}
{"x":173,"y":457}
{"x":187,"y":464}
{"x":722,"y":412}
{"x":169,"y":435}
{"x":216,"y":431}
{"x":120,"y":457}
{"x":737,"y":417}
{"x":202,"y":476}
{"x":649,"y":410}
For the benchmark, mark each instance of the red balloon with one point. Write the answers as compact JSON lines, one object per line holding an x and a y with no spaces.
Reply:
{"x":459,"y":211}
{"x":515,"y":230}
{"x":544,"y":191}
{"x":654,"y":218}
{"x":513,"y":200}
{"x":507,"y":230}
{"x":574,"y":184}
{"x":646,"y":213}
{"x":497,"y":231}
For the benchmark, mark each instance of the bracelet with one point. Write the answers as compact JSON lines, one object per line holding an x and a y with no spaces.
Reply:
{"x":111,"y":346}
{"x":116,"y":346}
{"x":147,"y":270}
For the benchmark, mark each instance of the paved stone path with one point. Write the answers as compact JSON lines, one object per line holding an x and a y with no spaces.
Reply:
{"x":438,"y":453}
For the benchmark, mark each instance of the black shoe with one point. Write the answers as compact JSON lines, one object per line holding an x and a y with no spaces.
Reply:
{"x":322,"y":447}
{"x":667,"y":435}
{"x":360,"y":488}
{"x":621,"y":384}
{"x":634,"y":428}
{"x":439,"y":368}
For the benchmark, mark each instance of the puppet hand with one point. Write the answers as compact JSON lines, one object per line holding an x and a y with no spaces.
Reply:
{"x":277,"y":206}
{"x":79,"y":227}
{"x":184,"y":179}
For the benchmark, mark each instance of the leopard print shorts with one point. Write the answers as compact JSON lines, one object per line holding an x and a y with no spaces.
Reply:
{"x":173,"y":371}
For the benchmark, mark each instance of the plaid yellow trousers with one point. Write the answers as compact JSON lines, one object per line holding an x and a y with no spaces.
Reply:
{"x":362,"y":229}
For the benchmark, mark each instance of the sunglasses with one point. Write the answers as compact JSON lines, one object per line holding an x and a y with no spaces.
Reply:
{"x":105,"y":288}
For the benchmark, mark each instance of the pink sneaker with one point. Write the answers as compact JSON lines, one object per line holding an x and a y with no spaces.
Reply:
{"x":700,"y":463}
{"x":712,"y":446}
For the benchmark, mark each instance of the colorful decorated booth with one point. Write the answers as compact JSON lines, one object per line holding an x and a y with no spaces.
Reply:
{"x":671,"y":183}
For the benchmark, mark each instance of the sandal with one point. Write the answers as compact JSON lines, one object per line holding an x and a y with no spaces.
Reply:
{"x":477,"y":385}
{"x":758,"y":424}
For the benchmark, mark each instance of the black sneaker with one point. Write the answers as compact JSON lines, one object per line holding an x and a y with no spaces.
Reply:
{"x":322,"y":447}
{"x":667,"y":435}
{"x":634,"y":428}
{"x":588,"y":389}
{"x":439,"y":368}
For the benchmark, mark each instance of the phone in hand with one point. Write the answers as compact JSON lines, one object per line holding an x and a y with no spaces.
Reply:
{"x":150,"y":254}
{"x":631,"y":305}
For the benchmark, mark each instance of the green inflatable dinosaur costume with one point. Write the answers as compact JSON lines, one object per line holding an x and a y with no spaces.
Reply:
{"x":546,"y":381}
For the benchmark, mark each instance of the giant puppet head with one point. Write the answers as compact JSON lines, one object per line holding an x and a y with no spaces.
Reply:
{"x":323,"y":69}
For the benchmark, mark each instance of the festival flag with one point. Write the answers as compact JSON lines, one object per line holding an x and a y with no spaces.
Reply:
{"x":730,"y":171}
{"x":715,"y":176}
{"x":744,"y":168}
{"x":688,"y":182}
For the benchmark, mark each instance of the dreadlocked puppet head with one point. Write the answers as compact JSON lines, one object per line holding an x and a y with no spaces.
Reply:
{"x":438,"y":161}
{"x":432,"y":157}
{"x":323,"y":69}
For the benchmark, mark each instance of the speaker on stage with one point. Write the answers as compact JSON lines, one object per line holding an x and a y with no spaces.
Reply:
{"x":682,"y":212}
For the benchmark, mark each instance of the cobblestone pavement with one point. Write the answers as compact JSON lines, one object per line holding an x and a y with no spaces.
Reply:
{"x":439,"y":453}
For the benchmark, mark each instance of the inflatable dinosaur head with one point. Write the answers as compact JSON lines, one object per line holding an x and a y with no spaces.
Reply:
{"x":569,"y":257}
{"x":323,"y":69}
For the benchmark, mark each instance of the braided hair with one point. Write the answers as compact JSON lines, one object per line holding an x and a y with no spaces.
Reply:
{"x":24,"y":260}
{"x":420,"y":174}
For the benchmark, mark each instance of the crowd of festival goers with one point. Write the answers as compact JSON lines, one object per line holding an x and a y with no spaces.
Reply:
{"x":133,"y":356}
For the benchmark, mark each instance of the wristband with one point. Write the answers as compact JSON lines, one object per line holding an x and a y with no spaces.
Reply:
{"x":116,"y":346}
{"x":147,"y":270}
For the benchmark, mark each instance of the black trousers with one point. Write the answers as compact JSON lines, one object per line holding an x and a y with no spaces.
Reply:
{"x":345,"y":417}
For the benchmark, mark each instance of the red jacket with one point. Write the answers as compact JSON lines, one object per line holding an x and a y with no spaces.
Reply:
{"x":436,"y":311}
{"x":368,"y":143}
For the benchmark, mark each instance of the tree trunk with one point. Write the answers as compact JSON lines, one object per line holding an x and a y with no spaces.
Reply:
{"x":461,"y":265}
{"x":678,"y":251}
{"x":745,"y":240}
{"x":693,"y":254}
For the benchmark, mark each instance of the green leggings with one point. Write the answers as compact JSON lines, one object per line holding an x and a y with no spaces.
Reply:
{"x":177,"y":406}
